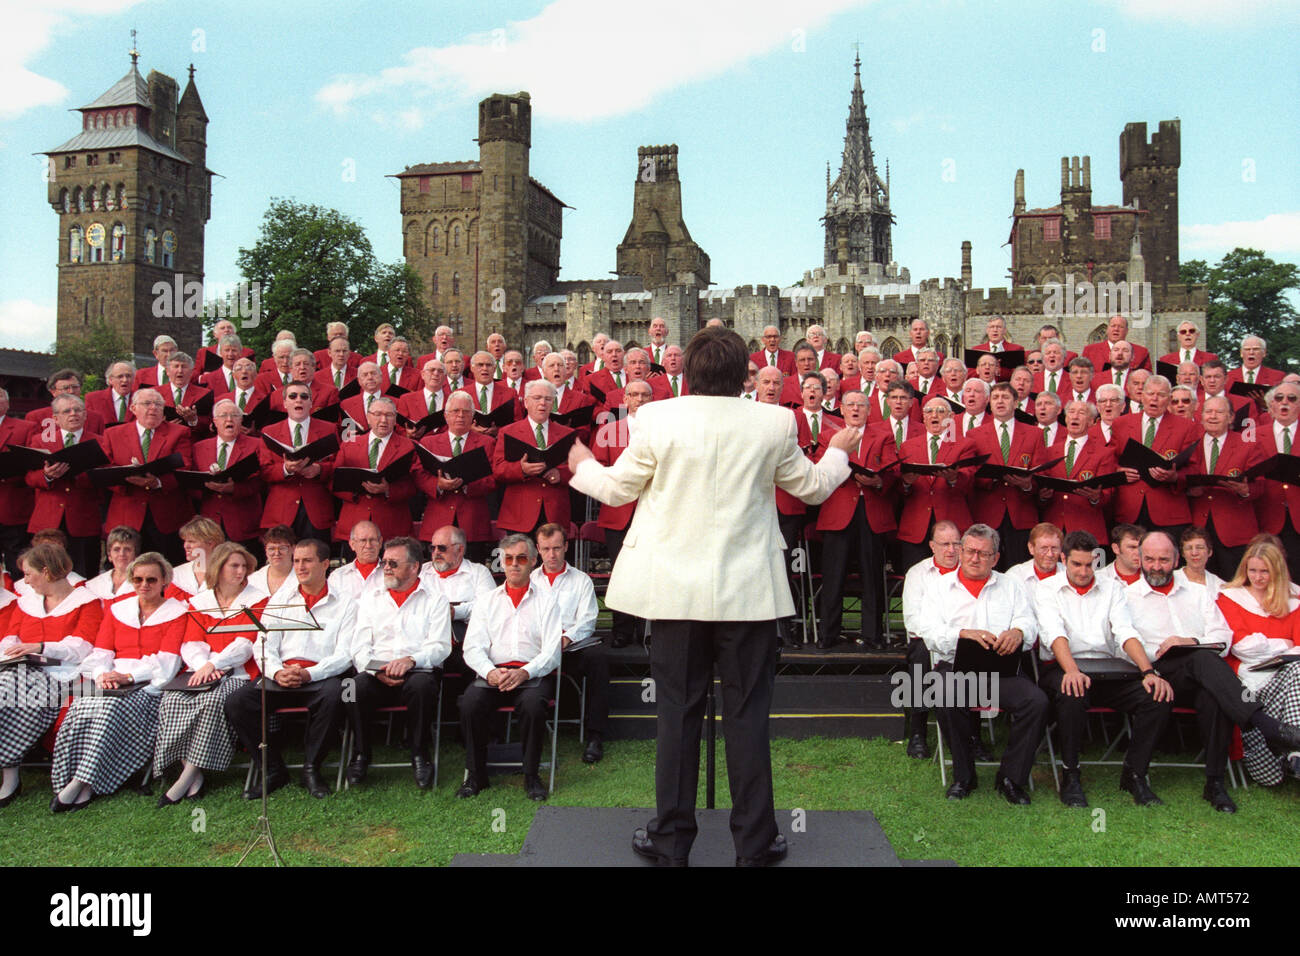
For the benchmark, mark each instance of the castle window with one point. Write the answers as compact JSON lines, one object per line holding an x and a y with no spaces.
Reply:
{"x":466,"y":182}
{"x":1101,"y":227}
{"x":76,"y":247}
{"x":121,"y":196}
{"x":92,"y":159}
{"x":455,"y":237}
{"x":64,"y":202}
{"x":108,"y":198}
{"x":435,"y":238}
{"x":69,"y":162}
{"x":433,"y":284}
{"x":424,"y":184}
{"x":94,"y":199}
{"x":171,"y":205}
{"x":150,"y":245}
{"x":114,"y":158}
{"x":158,"y":204}
{"x":1052,"y":230}
{"x":455,"y":283}
{"x":119,"y":242}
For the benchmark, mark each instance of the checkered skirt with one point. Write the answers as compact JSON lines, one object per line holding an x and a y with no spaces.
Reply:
{"x":193,"y":727}
{"x":104,"y":740}
{"x":29,"y":705}
{"x":1281,"y":700}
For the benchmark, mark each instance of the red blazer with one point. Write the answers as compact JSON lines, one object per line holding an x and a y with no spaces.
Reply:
{"x":929,"y":498}
{"x":193,"y":393}
{"x":1067,"y":395}
{"x":1062,"y":381}
{"x":792,"y":393}
{"x":284,"y":492}
{"x":324,"y":378}
{"x":831,"y":360}
{"x":498,"y":395}
{"x":407,"y":378}
{"x":784,"y":360}
{"x":1098,"y":353}
{"x":1166,"y":503}
{"x":146,"y":377}
{"x":391,"y":512}
{"x":100,"y":404}
{"x":875,"y":415}
{"x":786,"y":503}
{"x":532,"y":374}
{"x":355,"y":407}
{"x":255,"y":397}
{"x":323,"y":395}
{"x":1264,"y":376}
{"x":611,"y":441}
{"x":215,"y":382}
{"x":959,"y":425}
{"x":525,"y":500}
{"x":15,"y":496}
{"x":994,"y":499}
{"x":1199,"y":357}
{"x":574,"y":398}
{"x":1235,"y":521}
{"x":353,"y":363}
{"x":467,"y":507}
{"x":269,"y":381}
{"x":876,"y":450}
{"x":602,"y":380}
{"x":72,"y":500}
{"x":1074,"y":512}
{"x":240,"y":511}
{"x":683,"y":386}
{"x":37,"y":417}
{"x":1277,"y":500}
{"x":907,"y":356}
{"x":268,"y":365}
{"x":128,"y":504}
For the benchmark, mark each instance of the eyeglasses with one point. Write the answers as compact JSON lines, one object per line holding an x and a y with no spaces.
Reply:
{"x":391,"y":563}
{"x":976,"y":553}
{"x":148,"y":580}
{"x":440,"y":548}
{"x":514,"y":559}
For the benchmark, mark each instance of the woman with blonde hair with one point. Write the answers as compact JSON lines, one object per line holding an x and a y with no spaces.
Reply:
{"x":198,"y":536}
{"x":192,"y":726}
{"x":1265,"y":619}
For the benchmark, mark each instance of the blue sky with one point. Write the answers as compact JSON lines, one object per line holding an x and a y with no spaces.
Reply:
{"x":318,"y":102}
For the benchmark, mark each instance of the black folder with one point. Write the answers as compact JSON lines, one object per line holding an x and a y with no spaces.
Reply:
{"x":1279,"y":467}
{"x":957,"y":407}
{"x":972,"y":657}
{"x":1275,"y":663}
{"x":80,"y":457}
{"x":468,"y":466}
{"x":262,"y":414}
{"x":433,"y":422}
{"x":1203,"y":481}
{"x":1139,"y":456}
{"x":1179,"y":650}
{"x":923,"y":468}
{"x":1007,"y":360}
{"x":203,"y":406}
{"x":595,"y":393}
{"x":553,"y":456}
{"x":241,"y":470}
{"x":1107,"y":668}
{"x":866,"y":472}
{"x":1110,"y":480}
{"x":990,"y":470}
{"x":181,"y":683}
{"x":125,"y":690}
{"x":499,"y":417}
{"x":31,"y":660}
{"x":354,"y":388}
{"x":350,"y":479}
{"x":317,"y":450}
{"x":1169,"y":370}
{"x":117,"y":474}
{"x":578,"y":418}
{"x":1254,"y":392}
{"x":211,"y":360}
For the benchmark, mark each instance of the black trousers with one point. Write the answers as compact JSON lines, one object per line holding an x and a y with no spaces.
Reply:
{"x":1026,"y":704}
{"x":683,"y":657}
{"x":592,"y":662}
{"x":418,"y":693}
{"x":168,"y":545}
{"x":1147,"y":716}
{"x":1143,"y":520}
{"x":1203,"y":680}
{"x":1291,"y":546}
{"x":1225,"y":559}
{"x":625,"y":625}
{"x":14,"y":540}
{"x":303,"y":528}
{"x":323,"y":700}
{"x":857,"y":540}
{"x":791,"y":528}
{"x":479,"y":703}
{"x":1014,"y":545}
{"x":918,"y":655}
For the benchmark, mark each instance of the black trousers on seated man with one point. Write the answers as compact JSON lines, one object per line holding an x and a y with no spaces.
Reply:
{"x":592,"y":662}
{"x":480,"y":702}
{"x":1203,"y":680}
{"x":322,"y":698}
{"x":683,"y":658}
{"x":418,"y":693}
{"x":1147,"y":715}
{"x":1015,"y":543}
{"x":1017,"y":696}
{"x":839,"y":548}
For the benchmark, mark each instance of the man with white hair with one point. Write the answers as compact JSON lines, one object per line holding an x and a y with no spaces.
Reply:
{"x":338,"y":330}
{"x":826,"y":359}
{"x":951,"y":382}
{"x":364,"y":572}
{"x":443,"y":340}
{"x":1047,"y":409}
{"x":658,"y":340}
{"x":152,"y":376}
{"x":927,"y":361}
{"x":220,"y":330}
{"x":278,"y":376}
{"x":533,"y":493}
{"x":113,"y":402}
{"x":1110,"y":406}
{"x":236,"y":506}
{"x":597,"y":362}
{"x":540,"y":351}
{"x":1121,"y":358}
{"x":612,"y":377}
{"x":919,"y":332}
{"x":1253,"y":370}
{"x":1099,"y":353}
{"x":1055,"y":376}
{"x":385,"y":502}
{"x":975,"y":401}
{"x":1188,"y":348}
{"x":772,"y":354}
{"x":221,"y":380}
{"x":496,"y":346}
{"x":862,"y":340}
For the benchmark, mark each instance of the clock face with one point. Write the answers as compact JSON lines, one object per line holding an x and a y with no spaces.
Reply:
{"x":169,"y":241}
{"x":95,"y":234}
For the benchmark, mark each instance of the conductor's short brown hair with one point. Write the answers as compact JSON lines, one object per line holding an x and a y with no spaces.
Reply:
{"x":716,"y":362}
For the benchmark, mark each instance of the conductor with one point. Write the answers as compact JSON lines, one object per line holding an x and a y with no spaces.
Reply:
{"x":703,"y":559}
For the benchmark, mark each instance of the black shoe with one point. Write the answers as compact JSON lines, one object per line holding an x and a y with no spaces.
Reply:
{"x":1143,"y":795}
{"x":1072,"y":789}
{"x":357,"y":768}
{"x":277,"y":776}
{"x":918,"y":748}
{"x":203,"y":788}
{"x":961,"y":789}
{"x":775,"y":853}
{"x":58,"y":806}
{"x":18,"y":792}
{"x":534,"y":789}
{"x":595,"y":750}
{"x":470,"y":788}
{"x":313,"y":783}
{"x":645,"y":847}
{"x":1293,"y":765}
{"x":620,"y":640}
{"x":1014,"y":793}
{"x":166,"y":801}
{"x":1217,"y":796}
{"x":826,"y":643}
{"x":423,"y":768}
{"x":1288,"y":736}
{"x":978,"y":750}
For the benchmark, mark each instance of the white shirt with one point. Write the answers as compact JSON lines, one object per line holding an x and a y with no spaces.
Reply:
{"x":435,"y":397}
{"x":1079,"y":442}
{"x":101,"y":585}
{"x":893,"y":424}
{"x":186,"y":577}
{"x":1025,"y":573}
{"x":197,"y":653}
{"x":1105,"y":430}
{"x":419,"y":629}
{"x":71,"y":648}
{"x":917,"y":584}
{"x":1096,"y":623}
{"x":1279,"y":429}
{"x":923,"y":385}
{"x":328,"y":647}
{"x":1213,"y":583}
{"x":1187,"y":610}
{"x":462,"y":588}
{"x":1111,"y":573}
{"x":1050,"y":432}
{"x":347,"y":580}
{"x":500,"y":632}
{"x":156,"y":668}
{"x":973,"y":422}
{"x":21,"y":586}
{"x":244,"y":393}
{"x":575,"y":596}
{"x":1002,"y":605}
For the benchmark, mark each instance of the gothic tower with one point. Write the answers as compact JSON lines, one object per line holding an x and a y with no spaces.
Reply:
{"x":657,"y":245}
{"x":857,"y":217}
{"x":1149,"y":172}
{"x":133,"y":195}
{"x":504,"y":138}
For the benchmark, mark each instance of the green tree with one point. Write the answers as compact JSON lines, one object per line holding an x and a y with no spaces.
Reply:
{"x":92,"y":352}
{"x":1249,"y":294}
{"x":316,"y":266}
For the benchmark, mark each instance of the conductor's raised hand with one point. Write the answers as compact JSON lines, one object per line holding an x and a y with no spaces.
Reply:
{"x":846,"y":438}
{"x":578,"y":453}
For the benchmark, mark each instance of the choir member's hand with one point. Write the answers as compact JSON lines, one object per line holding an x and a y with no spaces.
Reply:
{"x":1158,"y":687}
{"x":294,"y":466}
{"x":578,"y":453}
{"x":448,"y":484}
{"x":310,"y":470}
{"x":1009,"y":641}
{"x":208,"y":672}
{"x":376,"y":487}
{"x":55,"y":470}
{"x":950,"y":475}
{"x":188,"y":415}
{"x":846,"y":438}
{"x":909,"y":477}
{"x":1131,"y":475}
{"x":1023,"y":482}
{"x":16,"y":650}
{"x":1164,"y":474}
{"x":111,"y":680}
{"x":399,"y":668}
{"x":1173,"y":642}
{"x":1196,"y":491}
{"x":532,"y":469}
{"x":1045,"y":493}
{"x":496,"y":675}
{"x":986,"y":639}
{"x":288,"y":676}
{"x":514,"y":677}
{"x":1092,"y":494}
{"x":552,"y":477}
{"x":565,"y":642}
{"x":220,"y":487}
{"x":1074,"y":683}
{"x":141,"y":481}
{"x":869,"y":481}
{"x":1239,"y":488}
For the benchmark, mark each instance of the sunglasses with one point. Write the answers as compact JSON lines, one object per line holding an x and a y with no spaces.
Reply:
{"x":149,"y":580}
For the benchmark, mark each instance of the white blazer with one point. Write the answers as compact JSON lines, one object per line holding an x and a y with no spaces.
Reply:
{"x":704,"y":544}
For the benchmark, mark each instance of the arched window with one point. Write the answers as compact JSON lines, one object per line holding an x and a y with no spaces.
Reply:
{"x":1097,"y":335}
{"x":94,"y":199}
{"x":168,"y":249}
{"x":433,"y":284}
{"x":455,"y":237}
{"x":158,"y":205}
{"x":76,"y":245}
{"x":435,"y":239}
{"x":96,"y":239}
{"x":171,"y":205}
{"x":150,"y":245}
{"x":119,"y":242}
{"x":890,"y":347}
{"x":455,"y":283}
{"x":65,"y":202}
{"x":941,"y":344}
{"x":121,"y":196}
{"x":108,"y":197}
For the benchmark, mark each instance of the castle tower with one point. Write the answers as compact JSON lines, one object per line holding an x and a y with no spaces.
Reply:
{"x":657,"y":245}
{"x":857,"y":219}
{"x":133,"y":194}
{"x":1149,"y":172}
{"x":504,"y":139}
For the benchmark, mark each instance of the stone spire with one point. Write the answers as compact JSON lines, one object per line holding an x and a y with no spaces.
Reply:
{"x":857,"y":216}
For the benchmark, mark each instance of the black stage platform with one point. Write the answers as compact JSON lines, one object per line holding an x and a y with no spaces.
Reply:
{"x":596,"y":836}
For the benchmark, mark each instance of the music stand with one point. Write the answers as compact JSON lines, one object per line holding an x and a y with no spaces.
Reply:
{"x":238,"y":621}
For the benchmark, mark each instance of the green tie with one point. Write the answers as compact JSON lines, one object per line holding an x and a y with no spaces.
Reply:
{"x":816,"y":430}
{"x":121,"y":409}
{"x":541,"y":436}
{"x":898,"y":434}
{"x":374,"y":453}
{"x":69,"y":440}
{"x":482,"y":398}
{"x":369,"y":398}
{"x":1214,"y":453}
{"x":1046,"y":436}
{"x":221,"y":456}
{"x":771,"y":358}
{"x":1120,"y":381}
{"x":163,"y":380}
{"x":1187,"y":355}
{"x":243,"y":400}
{"x":145,"y":441}
{"x":338,"y":379}
{"x":934,"y":449}
{"x":1006,"y":444}
{"x":1286,"y":441}
{"x":383,"y":360}
{"x":1052,"y":386}
{"x":618,"y":379}
{"x":1250,"y":377}
{"x":970,"y":422}
{"x":1150,"y":438}
{"x":179,"y":396}
{"x":658,"y":360}
{"x":1069,"y":457}
{"x":433,"y":400}
{"x":297,"y":435}
{"x":286,"y":378}
{"x":675,"y":392}
{"x":455,"y":449}
{"x":497,"y":374}
{"x":230,"y":383}
{"x":555,"y":404}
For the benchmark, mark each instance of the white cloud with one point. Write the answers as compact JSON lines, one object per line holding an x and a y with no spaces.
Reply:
{"x":1239,"y":13}
{"x":25,"y":324}
{"x":1276,"y":235}
{"x":585,"y":60}
{"x":28,"y":30}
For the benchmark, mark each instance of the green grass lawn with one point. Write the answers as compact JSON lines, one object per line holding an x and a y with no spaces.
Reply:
{"x":389,"y":822}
